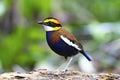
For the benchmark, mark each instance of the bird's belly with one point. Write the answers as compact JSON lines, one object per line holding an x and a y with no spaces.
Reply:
{"x":63,"y":49}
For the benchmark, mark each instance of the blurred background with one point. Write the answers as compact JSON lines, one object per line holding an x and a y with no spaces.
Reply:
{"x":95,"y":23}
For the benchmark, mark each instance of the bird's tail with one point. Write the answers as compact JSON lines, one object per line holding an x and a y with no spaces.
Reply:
{"x":86,"y":55}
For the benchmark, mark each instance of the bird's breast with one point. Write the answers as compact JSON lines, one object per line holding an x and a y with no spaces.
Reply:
{"x":52,"y":37}
{"x":58,"y":45}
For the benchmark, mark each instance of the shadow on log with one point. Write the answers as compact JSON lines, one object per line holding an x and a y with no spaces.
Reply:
{"x":43,"y":74}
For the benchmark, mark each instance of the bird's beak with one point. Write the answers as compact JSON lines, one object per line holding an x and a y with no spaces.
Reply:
{"x":40,"y":22}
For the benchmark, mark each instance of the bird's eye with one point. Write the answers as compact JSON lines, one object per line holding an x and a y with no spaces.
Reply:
{"x":51,"y":24}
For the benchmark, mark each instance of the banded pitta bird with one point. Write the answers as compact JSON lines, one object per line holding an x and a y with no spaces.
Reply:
{"x":60,"y":40}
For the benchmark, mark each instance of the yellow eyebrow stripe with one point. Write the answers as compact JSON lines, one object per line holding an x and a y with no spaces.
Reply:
{"x":52,"y":20}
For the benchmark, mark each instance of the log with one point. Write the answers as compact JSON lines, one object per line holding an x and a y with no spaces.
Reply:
{"x":43,"y":74}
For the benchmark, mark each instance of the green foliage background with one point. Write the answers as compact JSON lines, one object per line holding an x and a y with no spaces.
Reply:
{"x":96,"y":23}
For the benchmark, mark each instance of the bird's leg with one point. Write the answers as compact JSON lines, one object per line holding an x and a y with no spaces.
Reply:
{"x":65,"y":64}
{"x":61,"y":66}
{"x":68,"y":63}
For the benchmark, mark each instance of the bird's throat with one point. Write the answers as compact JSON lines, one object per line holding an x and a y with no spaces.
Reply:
{"x":49,"y":28}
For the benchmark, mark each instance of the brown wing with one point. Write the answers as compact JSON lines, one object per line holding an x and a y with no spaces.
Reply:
{"x":70,"y":36}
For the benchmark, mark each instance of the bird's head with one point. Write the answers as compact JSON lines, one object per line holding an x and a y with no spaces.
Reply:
{"x":51,"y":24}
